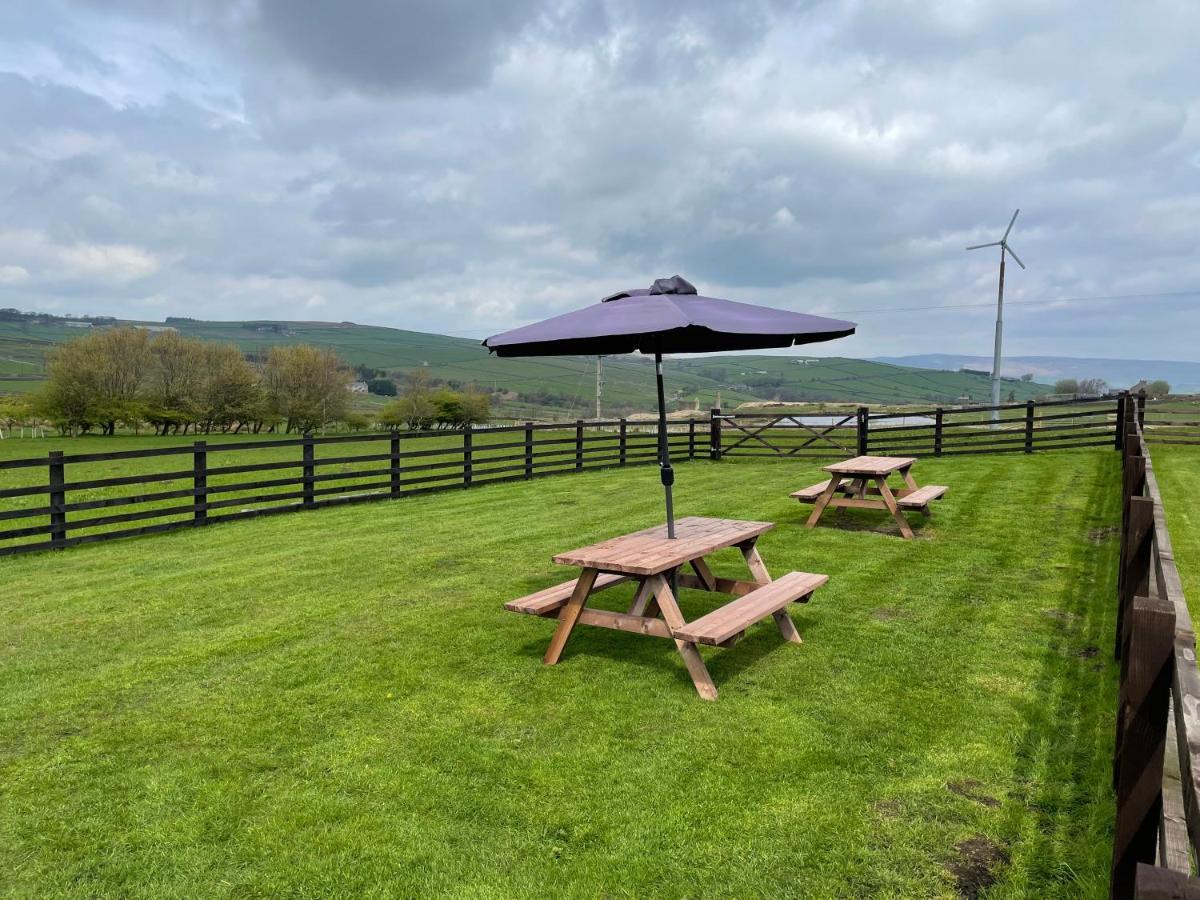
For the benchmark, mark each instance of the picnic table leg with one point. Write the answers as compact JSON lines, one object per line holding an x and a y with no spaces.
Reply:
{"x":704,"y":573}
{"x":787,"y":628}
{"x":909,"y":481}
{"x":570,"y":615}
{"x":823,"y":500}
{"x":889,"y":500}
{"x":641,"y":597}
{"x":687,"y":649}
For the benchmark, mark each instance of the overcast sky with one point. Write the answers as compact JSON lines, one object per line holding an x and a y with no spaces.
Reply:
{"x":464,"y":166}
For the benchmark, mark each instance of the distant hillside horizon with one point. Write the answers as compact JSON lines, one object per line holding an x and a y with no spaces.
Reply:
{"x":560,"y":388}
{"x":1184,"y":377}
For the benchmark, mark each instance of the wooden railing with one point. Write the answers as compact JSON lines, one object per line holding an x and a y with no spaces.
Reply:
{"x":938,"y":431}
{"x":1157,"y":748}
{"x":78,"y":500}
{"x":198,"y":484}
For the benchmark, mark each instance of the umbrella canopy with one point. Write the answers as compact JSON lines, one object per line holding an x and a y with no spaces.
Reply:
{"x":669,"y":317}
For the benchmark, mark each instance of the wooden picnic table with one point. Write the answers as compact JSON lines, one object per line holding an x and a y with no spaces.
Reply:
{"x":654,"y":561}
{"x":853,"y":479}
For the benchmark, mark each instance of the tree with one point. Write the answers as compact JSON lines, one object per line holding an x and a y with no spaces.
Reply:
{"x":384,"y":387}
{"x":96,"y":380}
{"x":230,"y":393}
{"x":173,"y":383}
{"x":448,"y":408}
{"x":415,"y":408}
{"x":1158,"y":388}
{"x":1027,"y":377}
{"x":1093,"y":387}
{"x":1066,"y":386}
{"x":306,"y":387}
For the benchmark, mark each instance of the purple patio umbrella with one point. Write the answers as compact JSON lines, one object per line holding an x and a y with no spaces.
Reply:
{"x":669,"y":317}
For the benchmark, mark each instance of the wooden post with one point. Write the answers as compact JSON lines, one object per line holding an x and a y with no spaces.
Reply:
{"x":1134,"y":575}
{"x":1141,"y":409}
{"x":1142,"y":735}
{"x":714,"y":433}
{"x":937,"y":432}
{"x":621,"y":443}
{"x":309,"y":470}
{"x":467,"y":454}
{"x":1028,"y":426}
{"x":691,"y":438}
{"x":528,"y":449}
{"x":578,"y":444}
{"x":863,"y":429}
{"x":58,"y":496}
{"x":1119,"y":437}
{"x":200,"y":483}
{"x":1157,"y":883}
{"x":394,"y":463}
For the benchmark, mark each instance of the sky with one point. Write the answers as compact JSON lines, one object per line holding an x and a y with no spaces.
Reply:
{"x":466,"y":166}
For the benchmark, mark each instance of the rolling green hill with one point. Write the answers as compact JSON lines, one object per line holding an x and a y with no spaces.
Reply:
{"x":559,"y":387}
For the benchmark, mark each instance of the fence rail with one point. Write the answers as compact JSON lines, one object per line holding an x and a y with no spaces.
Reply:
{"x":85,"y":497}
{"x":77,"y":501}
{"x":1157,"y":745}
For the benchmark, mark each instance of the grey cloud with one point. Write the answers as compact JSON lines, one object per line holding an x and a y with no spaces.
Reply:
{"x":529,"y":156}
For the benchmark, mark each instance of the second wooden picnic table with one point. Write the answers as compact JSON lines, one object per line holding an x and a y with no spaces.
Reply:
{"x":865,"y":475}
{"x":654,"y":561}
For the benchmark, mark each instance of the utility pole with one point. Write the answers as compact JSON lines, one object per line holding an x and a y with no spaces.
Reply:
{"x":599,"y":383}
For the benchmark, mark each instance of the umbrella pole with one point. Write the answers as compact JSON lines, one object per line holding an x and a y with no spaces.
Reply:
{"x":664,"y":456}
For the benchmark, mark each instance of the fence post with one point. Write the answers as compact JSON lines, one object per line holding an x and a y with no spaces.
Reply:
{"x":863,"y":425}
{"x":468,"y":474}
{"x":394,"y":463}
{"x":714,"y":433}
{"x":528,"y":449}
{"x":1142,"y":734}
{"x":1134,"y":575}
{"x":1119,"y":437}
{"x":937,"y":432}
{"x":200,"y":483}
{"x":1028,"y":426}
{"x":58,"y":497}
{"x":309,"y":469}
{"x":1141,"y":409}
{"x":578,"y":444}
{"x":691,"y":438}
{"x":621,"y":443}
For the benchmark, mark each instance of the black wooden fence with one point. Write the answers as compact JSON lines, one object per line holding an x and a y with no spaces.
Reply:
{"x":80,"y":498}
{"x":1158,"y":711}
{"x":938,"y":431}
{"x":75,"y":498}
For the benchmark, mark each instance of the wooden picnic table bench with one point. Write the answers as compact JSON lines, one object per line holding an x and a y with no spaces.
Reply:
{"x":854,"y":479}
{"x":654,"y":562}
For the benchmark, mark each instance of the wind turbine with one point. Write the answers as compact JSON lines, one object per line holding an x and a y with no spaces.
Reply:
{"x":1004,"y":248}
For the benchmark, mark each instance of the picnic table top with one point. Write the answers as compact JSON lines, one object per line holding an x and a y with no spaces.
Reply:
{"x":651,"y":552}
{"x":871,"y":465}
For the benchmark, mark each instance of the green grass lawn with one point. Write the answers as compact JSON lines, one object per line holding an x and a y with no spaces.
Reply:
{"x":335,"y":703}
{"x":1177,"y":468}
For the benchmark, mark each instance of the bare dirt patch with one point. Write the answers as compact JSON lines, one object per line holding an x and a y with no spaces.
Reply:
{"x":969,"y":788}
{"x":973,"y":865}
{"x":888,"y":613}
{"x":1087,"y":652}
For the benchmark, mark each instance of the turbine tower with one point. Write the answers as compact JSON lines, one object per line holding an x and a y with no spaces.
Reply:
{"x":1004,"y":248}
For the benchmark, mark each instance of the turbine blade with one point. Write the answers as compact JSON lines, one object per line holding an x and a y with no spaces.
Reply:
{"x":1010,"y":225}
{"x":1014,"y":256}
{"x":978,"y":246}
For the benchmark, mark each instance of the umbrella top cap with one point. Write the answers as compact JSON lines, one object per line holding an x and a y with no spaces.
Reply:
{"x":676,"y":284}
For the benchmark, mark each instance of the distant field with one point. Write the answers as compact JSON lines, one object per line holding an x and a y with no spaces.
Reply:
{"x":564,"y":387}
